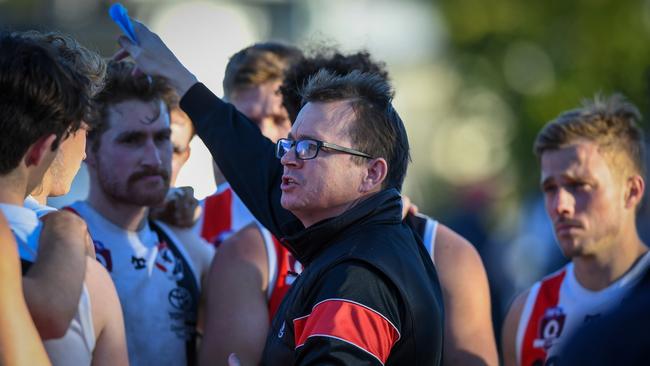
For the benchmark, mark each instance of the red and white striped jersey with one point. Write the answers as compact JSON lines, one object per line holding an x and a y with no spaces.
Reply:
{"x":223,"y":215}
{"x":558,"y":305}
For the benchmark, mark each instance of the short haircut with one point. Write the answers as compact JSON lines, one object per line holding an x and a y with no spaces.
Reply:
{"x":611,"y":122}
{"x":122,"y":85}
{"x":258,"y":64}
{"x":40,"y":94}
{"x":329,"y":59}
{"x":378,"y":130}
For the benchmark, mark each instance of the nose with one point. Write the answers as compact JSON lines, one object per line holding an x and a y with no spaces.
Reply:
{"x":151,"y":156}
{"x":289,"y":159}
{"x":563,"y":204}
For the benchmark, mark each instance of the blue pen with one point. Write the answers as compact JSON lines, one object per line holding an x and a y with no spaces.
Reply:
{"x":120,"y":16}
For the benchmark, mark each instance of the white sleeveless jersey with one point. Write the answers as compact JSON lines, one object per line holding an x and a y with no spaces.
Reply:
{"x":159,"y":314}
{"x":77,"y":345}
{"x":558,"y":305}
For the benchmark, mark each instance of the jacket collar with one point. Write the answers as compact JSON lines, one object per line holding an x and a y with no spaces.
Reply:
{"x":307,"y":243}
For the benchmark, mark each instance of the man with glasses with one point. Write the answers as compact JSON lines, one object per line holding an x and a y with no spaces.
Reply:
{"x":369,"y":292}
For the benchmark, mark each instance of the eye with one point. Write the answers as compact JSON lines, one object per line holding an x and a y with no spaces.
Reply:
{"x":549,"y":188}
{"x":163,"y":136}
{"x":133,"y":139}
{"x":580,"y":186}
{"x":306,"y":149}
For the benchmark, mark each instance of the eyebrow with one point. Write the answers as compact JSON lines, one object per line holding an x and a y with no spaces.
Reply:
{"x":303,"y":137}
{"x":133,"y":133}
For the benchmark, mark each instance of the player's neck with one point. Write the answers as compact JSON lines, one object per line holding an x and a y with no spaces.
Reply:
{"x":126,"y":216}
{"x":599,"y":271}
{"x":13,"y":190}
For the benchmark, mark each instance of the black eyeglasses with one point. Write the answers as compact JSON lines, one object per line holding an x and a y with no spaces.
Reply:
{"x":308,"y":148}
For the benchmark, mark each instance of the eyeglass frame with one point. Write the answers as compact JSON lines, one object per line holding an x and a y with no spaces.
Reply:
{"x":319,"y":145}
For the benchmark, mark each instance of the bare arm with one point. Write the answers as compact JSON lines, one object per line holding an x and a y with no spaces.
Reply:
{"x":52,"y":286}
{"x":108,"y":321}
{"x":510,"y":325}
{"x":19,"y":340}
{"x":237,"y":319}
{"x":469,"y":336}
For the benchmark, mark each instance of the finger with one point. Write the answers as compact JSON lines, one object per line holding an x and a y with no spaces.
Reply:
{"x":136,"y":72}
{"x":129,"y":47}
{"x":233,"y":360}
{"x":121,"y":54}
{"x":413,"y":209}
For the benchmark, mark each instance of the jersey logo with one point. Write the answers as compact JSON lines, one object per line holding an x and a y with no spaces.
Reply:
{"x":103,"y":255}
{"x":281,"y":332}
{"x":550,"y":328}
{"x":138,"y":263}
{"x":180,"y":299}
{"x":591,"y":317}
{"x":167,"y":262}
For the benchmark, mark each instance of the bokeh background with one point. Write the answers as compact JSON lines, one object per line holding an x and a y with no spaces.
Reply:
{"x":475,"y":80}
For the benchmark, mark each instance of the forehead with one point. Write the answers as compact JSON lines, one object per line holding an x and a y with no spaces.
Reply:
{"x":137,"y":116}
{"x":324,"y":120}
{"x":579,"y":159}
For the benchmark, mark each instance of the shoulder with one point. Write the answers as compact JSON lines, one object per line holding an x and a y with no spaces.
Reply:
{"x":245,"y":243}
{"x":243,"y":254}
{"x":452,"y":249}
{"x":355,"y":281}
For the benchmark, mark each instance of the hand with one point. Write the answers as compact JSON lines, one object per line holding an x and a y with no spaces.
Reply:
{"x":233,"y":360}
{"x":65,"y":227}
{"x":154,"y":58}
{"x":180,"y":208}
{"x":408,"y":207}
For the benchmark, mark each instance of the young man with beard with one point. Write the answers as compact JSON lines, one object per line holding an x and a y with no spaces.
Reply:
{"x":369,"y":292}
{"x":592,"y":176}
{"x":129,"y":161}
{"x":70,"y":297}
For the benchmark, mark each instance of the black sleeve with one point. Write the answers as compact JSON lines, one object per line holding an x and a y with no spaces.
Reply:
{"x":354,"y":320}
{"x":246,"y":158}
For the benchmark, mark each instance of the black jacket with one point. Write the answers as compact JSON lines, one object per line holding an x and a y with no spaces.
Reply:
{"x":369,"y":293}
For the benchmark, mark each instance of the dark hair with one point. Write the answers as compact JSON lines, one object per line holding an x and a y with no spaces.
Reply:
{"x":378,"y":130}
{"x":122,"y":85}
{"x":329,"y":59}
{"x":40,"y":95}
{"x":258,"y":64}
{"x":610,"y":122}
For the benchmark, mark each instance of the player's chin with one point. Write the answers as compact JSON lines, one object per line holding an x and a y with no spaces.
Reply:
{"x":149,"y":198}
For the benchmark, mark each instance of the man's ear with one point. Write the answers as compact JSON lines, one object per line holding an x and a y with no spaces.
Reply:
{"x":40,"y":150}
{"x":376,"y":171}
{"x":634,"y":192}
{"x":90,"y":154}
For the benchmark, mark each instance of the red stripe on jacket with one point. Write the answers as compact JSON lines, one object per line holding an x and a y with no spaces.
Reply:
{"x":350,"y":322}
